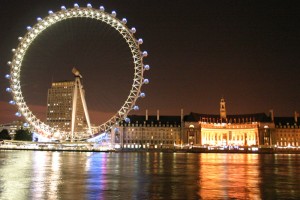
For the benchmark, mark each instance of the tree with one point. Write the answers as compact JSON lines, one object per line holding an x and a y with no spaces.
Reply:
{"x":4,"y":135}
{"x":23,"y":135}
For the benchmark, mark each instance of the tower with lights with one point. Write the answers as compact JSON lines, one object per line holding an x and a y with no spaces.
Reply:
{"x":222,"y":109}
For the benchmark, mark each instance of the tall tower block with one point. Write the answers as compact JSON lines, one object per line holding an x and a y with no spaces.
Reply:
{"x":222,"y":109}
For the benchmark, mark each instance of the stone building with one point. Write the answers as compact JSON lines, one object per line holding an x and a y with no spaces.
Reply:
{"x":227,"y":130}
{"x":286,"y":132}
{"x":149,"y":132}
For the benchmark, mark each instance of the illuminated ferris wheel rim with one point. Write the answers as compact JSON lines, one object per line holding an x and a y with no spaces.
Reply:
{"x":77,"y":12}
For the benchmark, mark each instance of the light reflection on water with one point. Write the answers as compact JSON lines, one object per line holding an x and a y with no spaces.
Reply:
{"x":234,"y":176}
{"x":71,"y":175}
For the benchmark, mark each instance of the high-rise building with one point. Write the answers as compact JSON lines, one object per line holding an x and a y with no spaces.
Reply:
{"x":60,"y":106}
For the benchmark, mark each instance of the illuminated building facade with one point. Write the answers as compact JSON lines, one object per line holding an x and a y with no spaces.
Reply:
{"x":235,"y":130}
{"x":227,"y":134}
{"x":59,"y":107}
{"x":286,"y":132}
{"x":149,"y":132}
{"x":227,"y":130}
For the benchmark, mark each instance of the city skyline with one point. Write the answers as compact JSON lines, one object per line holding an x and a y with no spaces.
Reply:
{"x":198,"y":51}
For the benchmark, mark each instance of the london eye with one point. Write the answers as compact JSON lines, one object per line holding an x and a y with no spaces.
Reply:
{"x":128,"y":34}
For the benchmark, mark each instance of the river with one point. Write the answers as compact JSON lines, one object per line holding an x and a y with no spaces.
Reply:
{"x":147,"y":175}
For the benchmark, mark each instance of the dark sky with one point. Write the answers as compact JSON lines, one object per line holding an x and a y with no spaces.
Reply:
{"x":199,"y":51}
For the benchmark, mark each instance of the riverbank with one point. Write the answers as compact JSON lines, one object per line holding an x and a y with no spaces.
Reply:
{"x":165,"y":150}
{"x":206,"y":150}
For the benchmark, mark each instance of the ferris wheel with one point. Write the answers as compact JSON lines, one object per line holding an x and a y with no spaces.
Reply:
{"x":65,"y":14}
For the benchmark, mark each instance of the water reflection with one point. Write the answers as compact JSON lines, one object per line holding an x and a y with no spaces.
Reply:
{"x":141,"y":176}
{"x":282,"y":174}
{"x":70,"y":175}
{"x":12,"y":169}
{"x":232,"y":176}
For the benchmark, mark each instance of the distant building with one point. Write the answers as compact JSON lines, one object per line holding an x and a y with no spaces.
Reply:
{"x":14,"y":126}
{"x":286,"y":132}
{"x":199,"y":129}
{"x":59,"y":107}
{"x":149,"y":132}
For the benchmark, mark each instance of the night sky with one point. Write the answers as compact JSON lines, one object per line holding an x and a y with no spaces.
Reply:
{"x":199,"y":51}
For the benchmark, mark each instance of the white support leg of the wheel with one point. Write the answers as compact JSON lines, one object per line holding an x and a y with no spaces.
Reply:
{"x":86,"y":113}
{"x":74,"y":108}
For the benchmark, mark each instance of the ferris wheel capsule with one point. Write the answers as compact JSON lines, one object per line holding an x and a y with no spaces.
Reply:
{"x":9,"y":63}
{"x":76,"y":5}
{"x":63,"y":8}
{"x":113,"y":13}
{"x":136,"y":108}
{"x":7,"y":76}
{"x":11,"y":102}
{"x":145,"y":54}
{"x":18,"y":114}
{"x":13,"y":50}
{"x":25,"y":125}
{"x":50,"y":12}
{"x":39,"y":19}
{"x":8,"y":90}
{"x":29,"y":28}
{"x":102,"y":8}
{"x":140,"y":41}
{"x":89,"y":5}
{"x":127,"y":120}
{"x":133,"y":30}
{"x":143,"y":95}
{"x":146,"y":81}
{"x":20,"y":38}
{"x":124,"y":20}
{"x":146,"y":67}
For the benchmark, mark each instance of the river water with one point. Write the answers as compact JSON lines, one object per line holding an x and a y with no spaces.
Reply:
{"x":72,"y":175}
